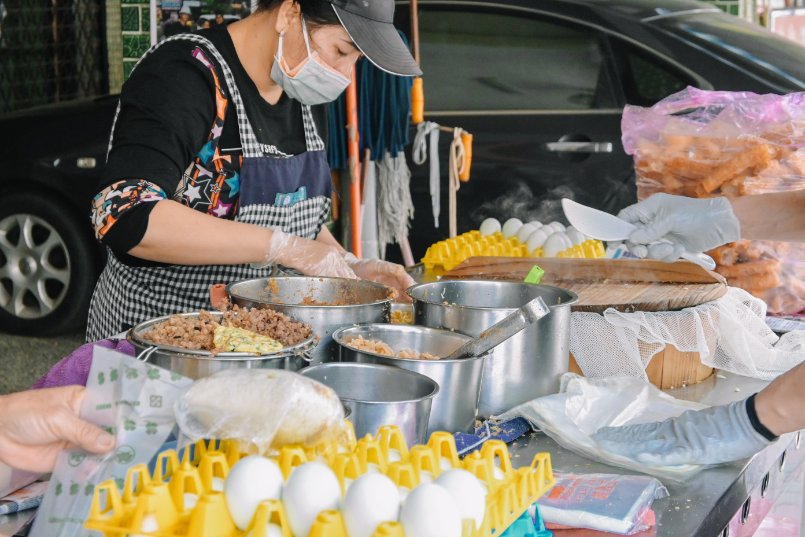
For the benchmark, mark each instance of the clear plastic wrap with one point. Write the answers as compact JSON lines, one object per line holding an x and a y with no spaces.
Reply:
{"x":712,"y":143}
{"x":263,"y":409}
{"x":605,"y":502}
{"x":583,"y":406}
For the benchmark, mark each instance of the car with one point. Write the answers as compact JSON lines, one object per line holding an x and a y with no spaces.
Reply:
{"x":52,"y":157}
{"x":541,"y":84}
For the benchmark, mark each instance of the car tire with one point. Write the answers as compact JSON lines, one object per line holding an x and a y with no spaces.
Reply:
{"x":48,"y":266}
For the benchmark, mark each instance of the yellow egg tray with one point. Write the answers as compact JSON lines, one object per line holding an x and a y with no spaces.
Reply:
{"x":157,"y":501}
{"x":450,"y":253}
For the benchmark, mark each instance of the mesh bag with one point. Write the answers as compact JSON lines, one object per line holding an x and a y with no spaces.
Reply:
{"x":729,"y":334}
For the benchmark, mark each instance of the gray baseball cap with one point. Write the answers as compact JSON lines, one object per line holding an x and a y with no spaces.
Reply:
{"x":370,"y":24}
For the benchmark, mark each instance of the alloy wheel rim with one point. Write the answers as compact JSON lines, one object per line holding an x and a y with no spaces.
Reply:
{"x":34,"y":266}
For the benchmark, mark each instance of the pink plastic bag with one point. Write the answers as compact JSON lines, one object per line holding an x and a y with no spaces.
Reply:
{"x":714,"y":143}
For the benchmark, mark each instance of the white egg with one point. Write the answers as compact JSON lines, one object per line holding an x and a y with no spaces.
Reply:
{"x":498,"y":474}
{"x":190,"y":500}
{"x":445,"y":463}
{"x":575,"y":236}
{"x":511,"y":227}
{"x":272,"y":530}
{"x":252,"y":480}
{"x":525,"y":231}
{"x":404,"y":492}
{"x":555,"y":244}
{"x":489,"y":226}
{"x":536,"y":240}
{"x":557,"y":226}
{"x":468,"y":492}
{"x":536,"y":223}
{"x":430,"y":511}
{"x":394,"y":455}
{"x":311,"y":489}
{"x":425,"y":477}
{"x":372,"y":499}
{"x":218,"y":484}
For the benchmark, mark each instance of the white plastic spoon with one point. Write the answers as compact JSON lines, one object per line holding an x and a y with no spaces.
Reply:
{"x":606,"y":227}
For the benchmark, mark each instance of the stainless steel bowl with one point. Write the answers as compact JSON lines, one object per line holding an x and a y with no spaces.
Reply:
{"x":525,"y":367}
{"x":324,"y":303}
{"x":198,"y":364}
{"x":455,"y":408}
{"x":379,"y":395}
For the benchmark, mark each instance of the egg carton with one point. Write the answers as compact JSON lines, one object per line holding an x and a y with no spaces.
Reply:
{"x":450,"y":253}
{"x":154,"y":503}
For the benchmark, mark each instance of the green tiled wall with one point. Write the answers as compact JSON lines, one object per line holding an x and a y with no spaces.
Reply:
{"x":135,"y":26}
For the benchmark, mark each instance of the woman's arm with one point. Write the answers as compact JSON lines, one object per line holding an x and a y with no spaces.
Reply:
{"x":772,"y":217}
{"x":781,"y":405}
{"x":182,"y":236}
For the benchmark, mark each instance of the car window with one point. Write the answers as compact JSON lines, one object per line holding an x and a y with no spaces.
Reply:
{"x":646,"y":78}
{"x":743,"y":43}
{"x":476,"y":59}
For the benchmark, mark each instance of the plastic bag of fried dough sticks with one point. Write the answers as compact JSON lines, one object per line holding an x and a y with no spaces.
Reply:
{"x":715,"y":143}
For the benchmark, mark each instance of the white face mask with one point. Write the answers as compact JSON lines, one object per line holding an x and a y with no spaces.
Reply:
{"x":313,"y":81}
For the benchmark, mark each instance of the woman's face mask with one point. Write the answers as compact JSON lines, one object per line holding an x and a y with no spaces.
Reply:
{"x":312,"y":81}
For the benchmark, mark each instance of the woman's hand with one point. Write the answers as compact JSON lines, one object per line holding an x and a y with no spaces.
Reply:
{"x":314,"y":258}
{"x":36,"y":425}
{"x":377,"y":270}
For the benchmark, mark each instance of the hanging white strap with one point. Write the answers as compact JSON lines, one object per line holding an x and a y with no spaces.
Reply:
{"x":423,"y":130}
{"x":457,"y":163}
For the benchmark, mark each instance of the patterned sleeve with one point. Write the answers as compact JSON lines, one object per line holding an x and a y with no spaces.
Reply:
{"x":113,"y":201}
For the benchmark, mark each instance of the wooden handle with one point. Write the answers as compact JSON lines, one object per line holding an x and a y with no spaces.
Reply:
{"x":417,"y":101}
{"x":466,"y":141}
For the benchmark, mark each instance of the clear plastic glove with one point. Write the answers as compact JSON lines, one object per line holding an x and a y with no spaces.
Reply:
{"x":377,"y":270}
{"x":710,"y":436}
{"x":36,"y":425}
{"x":313,"y":258}
{"x":687,"y":224}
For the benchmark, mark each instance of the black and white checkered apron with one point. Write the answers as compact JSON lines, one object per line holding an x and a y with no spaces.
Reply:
{"x":126,"y":296}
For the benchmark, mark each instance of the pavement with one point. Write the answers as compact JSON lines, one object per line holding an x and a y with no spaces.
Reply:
{"x":25,"y":359}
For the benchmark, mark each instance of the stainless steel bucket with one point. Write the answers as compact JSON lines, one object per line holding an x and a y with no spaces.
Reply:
{"x":324,"y":303}
{"x":455,"y":408}
{"x":380,"y":395}
{"x":198,"y":364}
{"x":525,"y":367}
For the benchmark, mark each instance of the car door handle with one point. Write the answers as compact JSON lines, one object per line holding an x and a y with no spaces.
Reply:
{"x":580,"y":147}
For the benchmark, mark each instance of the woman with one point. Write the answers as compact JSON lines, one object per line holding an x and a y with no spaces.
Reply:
{"x":217,"y":167}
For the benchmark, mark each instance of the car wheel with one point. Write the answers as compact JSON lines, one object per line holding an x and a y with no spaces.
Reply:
{"x":48,"y":266}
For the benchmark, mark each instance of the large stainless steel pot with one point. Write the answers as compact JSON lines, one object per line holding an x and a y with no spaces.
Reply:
{"x":324,"y":303}
{"x":455,"y":408}
{"x":379,"y":395}
{"x":198,"y":364}
{"x":525,"y":367}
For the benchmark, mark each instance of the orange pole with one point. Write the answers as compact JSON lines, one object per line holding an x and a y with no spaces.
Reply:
{"x":353,"y":150}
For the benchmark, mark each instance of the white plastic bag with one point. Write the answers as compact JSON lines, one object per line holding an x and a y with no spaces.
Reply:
{"x":730,"y":334}
{"x":586,"y":405}
{"x":261,"y":408}
{"x":605,"y":502}
{"x":133,"y":401}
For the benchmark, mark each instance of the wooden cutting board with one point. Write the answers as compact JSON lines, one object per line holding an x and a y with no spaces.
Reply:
{"x":624,"y":284}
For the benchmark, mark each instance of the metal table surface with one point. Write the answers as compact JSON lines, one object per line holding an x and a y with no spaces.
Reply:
{"x":725,"y":501}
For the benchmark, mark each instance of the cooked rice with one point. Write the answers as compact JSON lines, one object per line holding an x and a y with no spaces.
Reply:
{"x":381,"y":347}
{"x":197,"y":332}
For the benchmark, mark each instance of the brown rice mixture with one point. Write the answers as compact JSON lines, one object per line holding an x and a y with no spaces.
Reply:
{"x":380,"y":347}
{"x":196,"y":332}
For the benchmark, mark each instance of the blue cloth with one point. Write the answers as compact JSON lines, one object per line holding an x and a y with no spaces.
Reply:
{"x":507,"y":431}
